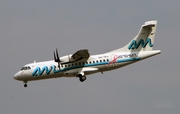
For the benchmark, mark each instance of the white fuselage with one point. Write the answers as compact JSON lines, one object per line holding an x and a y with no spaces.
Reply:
{"x":82,"y":63}
{"x":94,"y":64}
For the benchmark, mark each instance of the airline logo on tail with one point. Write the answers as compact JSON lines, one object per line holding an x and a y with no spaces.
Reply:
{"x":135,"y":45}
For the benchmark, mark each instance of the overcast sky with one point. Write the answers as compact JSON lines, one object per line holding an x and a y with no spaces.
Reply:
{"x":32,"y":29}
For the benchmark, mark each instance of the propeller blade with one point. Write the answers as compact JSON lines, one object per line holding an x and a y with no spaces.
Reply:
{"x":56,"y":58}
{"x":57,"y":55}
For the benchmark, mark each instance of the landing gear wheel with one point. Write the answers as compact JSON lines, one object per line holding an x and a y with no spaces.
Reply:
{"x":25,"y":85}
{"x":82,"y":78}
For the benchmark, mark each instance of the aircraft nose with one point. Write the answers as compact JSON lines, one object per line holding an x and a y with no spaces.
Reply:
{"x":16,"y":75}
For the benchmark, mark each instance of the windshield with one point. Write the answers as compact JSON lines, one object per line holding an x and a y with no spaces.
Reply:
{"x":26,"y":68}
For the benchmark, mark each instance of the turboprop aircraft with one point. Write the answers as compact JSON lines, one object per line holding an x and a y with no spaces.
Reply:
{"x":81,"y":63}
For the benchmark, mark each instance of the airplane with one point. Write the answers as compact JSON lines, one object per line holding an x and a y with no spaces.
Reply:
{"x":81,"y":63}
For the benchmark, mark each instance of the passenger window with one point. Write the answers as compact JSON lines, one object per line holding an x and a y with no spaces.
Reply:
{"x":97,"y":61}
{"x":100,"y":60}
{"x":103,"y":60}
{"x":90,"y":62}
{"x":93,"y":61}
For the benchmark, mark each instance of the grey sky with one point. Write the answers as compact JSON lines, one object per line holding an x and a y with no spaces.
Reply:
{"x":31,"y":30}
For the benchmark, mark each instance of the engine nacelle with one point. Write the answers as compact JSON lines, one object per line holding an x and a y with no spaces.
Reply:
{"x":66,"y":58}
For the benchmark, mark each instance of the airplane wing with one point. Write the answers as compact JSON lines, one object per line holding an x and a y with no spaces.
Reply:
{"x":83,"y":53}
{"x":82,"y":70}
{"x":79,"y":55}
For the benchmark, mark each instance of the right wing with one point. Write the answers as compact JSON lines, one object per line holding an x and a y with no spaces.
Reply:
{"x":82,"y":70}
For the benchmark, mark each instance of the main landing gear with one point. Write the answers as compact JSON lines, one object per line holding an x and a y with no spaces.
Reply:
{"x":81,"y":77}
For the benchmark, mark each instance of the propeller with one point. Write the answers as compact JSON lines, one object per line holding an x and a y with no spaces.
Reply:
{"x":56,"y":58}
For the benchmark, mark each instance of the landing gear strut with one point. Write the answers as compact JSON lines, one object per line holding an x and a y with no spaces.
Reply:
{"x":81,"y":77}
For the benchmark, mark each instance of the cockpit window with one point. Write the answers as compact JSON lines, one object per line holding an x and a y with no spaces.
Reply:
{"x":26,"y":68}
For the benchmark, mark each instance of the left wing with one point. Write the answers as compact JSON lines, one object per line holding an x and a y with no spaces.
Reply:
{"x":83,"y":53}
{"x":79,"y":55}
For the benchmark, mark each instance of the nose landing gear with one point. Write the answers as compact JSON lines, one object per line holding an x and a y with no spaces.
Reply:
{"x":25,"y":83}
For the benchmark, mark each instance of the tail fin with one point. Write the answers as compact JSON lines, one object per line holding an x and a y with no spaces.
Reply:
{"x":143,"y":41}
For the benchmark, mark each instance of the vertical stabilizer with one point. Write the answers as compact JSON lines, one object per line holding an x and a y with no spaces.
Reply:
{"x":143,"y":41}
